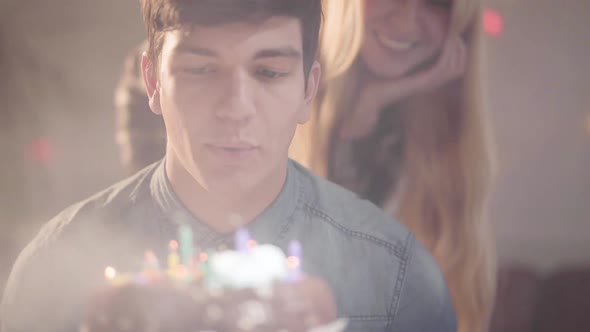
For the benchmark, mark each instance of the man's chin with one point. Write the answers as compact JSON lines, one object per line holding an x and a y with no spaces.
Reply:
{"x":229,"y":184}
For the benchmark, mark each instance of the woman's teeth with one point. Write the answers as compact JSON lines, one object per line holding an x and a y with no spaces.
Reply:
{"x":393,"y":44}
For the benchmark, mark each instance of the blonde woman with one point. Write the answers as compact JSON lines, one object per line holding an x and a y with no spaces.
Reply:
{"x":399,"y":121}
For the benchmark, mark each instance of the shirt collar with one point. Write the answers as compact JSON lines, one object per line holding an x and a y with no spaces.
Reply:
{"x":268,"y":227}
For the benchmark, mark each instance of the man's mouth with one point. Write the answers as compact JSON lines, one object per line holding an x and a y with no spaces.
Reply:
{"x":234,"y":151}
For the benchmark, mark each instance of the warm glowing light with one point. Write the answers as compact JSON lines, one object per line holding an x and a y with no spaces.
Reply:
{"x":150,"y":256}
{"x":41,"y":150}
{"x":293,"y":262}
{"x":252,"y":244}
{"x":182,"y":271}
{"x":203,"y":257}
{"x":173,"y":245}
{"x":493,"y":24}
{"x":110,"y":273}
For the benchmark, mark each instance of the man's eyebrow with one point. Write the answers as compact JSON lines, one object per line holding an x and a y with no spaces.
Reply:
{"x":287,"y":52}
{"x":195,"y":50}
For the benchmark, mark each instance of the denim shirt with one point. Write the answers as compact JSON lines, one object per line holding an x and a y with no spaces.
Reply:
{"x":382,"y":278}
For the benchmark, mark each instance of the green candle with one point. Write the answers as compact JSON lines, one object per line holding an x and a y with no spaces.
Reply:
{"x":185,"y":236}
{"x":204,"y":264}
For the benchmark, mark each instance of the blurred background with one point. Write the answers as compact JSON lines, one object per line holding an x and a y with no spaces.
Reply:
{"x":60,"y":61}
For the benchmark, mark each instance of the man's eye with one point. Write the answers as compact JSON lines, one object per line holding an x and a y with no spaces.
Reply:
{"x":269,"y":73}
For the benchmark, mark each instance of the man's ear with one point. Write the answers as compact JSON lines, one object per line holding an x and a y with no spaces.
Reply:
{"x":313,"y":83}
{"x":152,"y":84}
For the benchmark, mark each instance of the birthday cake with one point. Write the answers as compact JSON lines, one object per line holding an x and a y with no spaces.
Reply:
{"x":253,"y":288}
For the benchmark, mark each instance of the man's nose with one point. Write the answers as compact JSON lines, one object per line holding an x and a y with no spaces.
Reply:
{"x":238,"y":99}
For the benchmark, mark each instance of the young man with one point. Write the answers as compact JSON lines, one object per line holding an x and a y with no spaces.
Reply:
{"x":232,"y":80}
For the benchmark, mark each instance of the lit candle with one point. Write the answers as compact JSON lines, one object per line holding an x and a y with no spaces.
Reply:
{"x":185,"y":235}
{"x":196,"y":262}
{"x":110,"y":273}
{"x":295,"y":248}
{"x":294,"y":261}
{"x":182,"y":273}
{"x":151,"y":261}
{"x":173,"y":258}
{"x":114,"y":278}
{"x":252,"y":244}
{"x":204,"y":263}
{"x":204,"y":257}
{"x":121,"y":280}
{"x":241,"y":239}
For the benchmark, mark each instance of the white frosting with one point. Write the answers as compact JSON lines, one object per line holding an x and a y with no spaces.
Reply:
{"x":255,"y":268}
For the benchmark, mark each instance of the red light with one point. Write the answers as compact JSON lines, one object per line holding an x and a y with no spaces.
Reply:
{"x":493,"y":24}
{"x":41,"y":150}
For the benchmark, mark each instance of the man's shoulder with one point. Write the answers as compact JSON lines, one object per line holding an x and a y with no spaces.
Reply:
{"x":67,"y":253}
{"x":351,"y":215}
{"x":108,"y":205}
{"x":408,"y":289}
{"x":402,"y":273}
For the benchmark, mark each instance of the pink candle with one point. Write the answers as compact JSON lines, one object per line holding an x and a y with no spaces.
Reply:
{"x":294,"y":262}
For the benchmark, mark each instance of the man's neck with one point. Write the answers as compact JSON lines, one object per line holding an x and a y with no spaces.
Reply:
{"x":216,"y":209}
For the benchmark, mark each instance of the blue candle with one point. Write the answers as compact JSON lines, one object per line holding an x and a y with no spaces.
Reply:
{"x":241,"y":239}
{"x":295,"y":249}
{"x":173,"y":259}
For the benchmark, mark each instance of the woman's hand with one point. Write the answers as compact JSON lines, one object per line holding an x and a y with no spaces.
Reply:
{"x":378,"y":94}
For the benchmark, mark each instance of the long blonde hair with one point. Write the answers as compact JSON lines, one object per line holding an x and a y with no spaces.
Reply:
{"x":446,"y":157}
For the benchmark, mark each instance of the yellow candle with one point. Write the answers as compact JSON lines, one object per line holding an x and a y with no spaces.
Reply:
{"x":173,"y":258}
{"x":121,"y":280}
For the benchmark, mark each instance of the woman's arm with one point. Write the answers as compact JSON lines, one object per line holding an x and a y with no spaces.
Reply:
{"x":380,"y":93}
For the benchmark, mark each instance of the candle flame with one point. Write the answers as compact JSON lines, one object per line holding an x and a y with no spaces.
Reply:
{"x":252,"y":244}
{"x":173,"y":245}
{"x":110,"y":273}
{"x":203,"y":257}
{"x":293,"y":262}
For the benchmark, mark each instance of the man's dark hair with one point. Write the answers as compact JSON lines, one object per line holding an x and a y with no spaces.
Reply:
{"x":164,"y":15}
